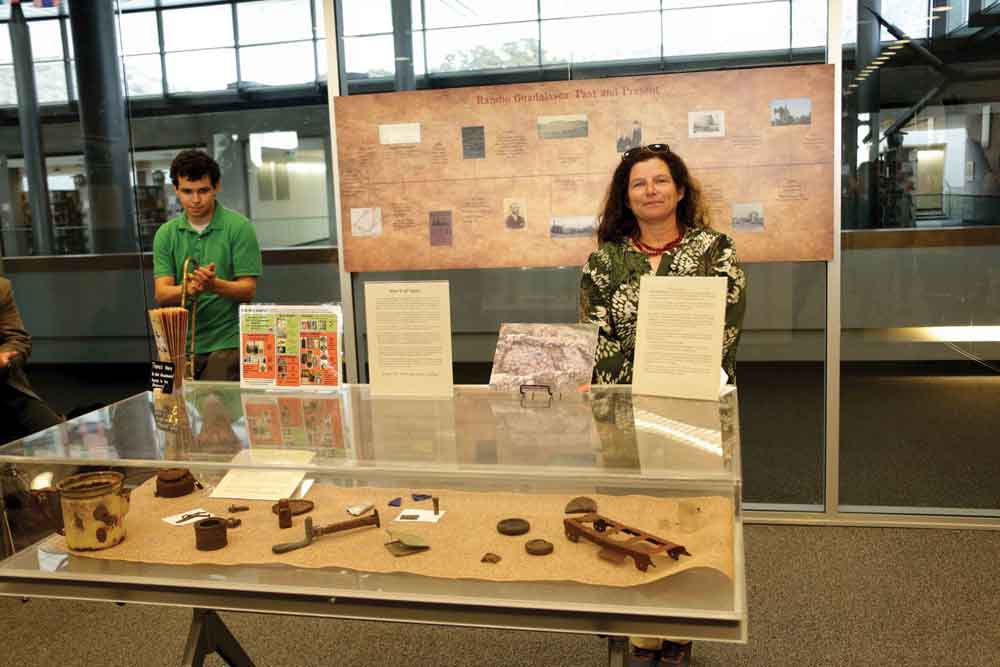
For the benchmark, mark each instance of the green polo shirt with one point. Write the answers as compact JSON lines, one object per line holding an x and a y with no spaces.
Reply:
{"x":230,"y":242}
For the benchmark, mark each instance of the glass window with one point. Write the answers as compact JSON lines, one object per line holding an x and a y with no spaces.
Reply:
{"x":197,"y":71}
{"x":320,"y":19}
{"x":274,"y":21}
{"x":447,"y":13}
{"x":46,"y":40}
{"x":6,"y":54}
{"x":484,"y":47}
{"x":322,"y":65}
{"x":687,"y":4}
{"x":197,"y":27}
{"x":8,"y":89}
{"x":50,"y":82}
{"x":278,"y":64}
{"x":139,"y":33}
{"x":910,"y":16}
{"x":618,"y":37}
{"x":955,"y":13}
{"x":808,"y":23}
{"x":730,"y":29}
{"x":143,"y":75}
{"x":921,"y":314}
{"x":782,"y":353}
{"x":288,"y":191}
{"x":362,"y":17}
{"x":572,"y":8}
{"x":369,"y":56}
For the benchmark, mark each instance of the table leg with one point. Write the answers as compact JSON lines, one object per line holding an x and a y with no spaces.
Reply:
{"x":6,"y":537}
{"x":209,"y":635}
{"x":617,"y":651}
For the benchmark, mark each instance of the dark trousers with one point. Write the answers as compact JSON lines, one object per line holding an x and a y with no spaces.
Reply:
{"x":218,"y":366}
{"x":21,"y":414}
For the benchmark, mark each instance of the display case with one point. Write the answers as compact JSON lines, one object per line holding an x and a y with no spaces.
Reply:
{"x":657,"y":468}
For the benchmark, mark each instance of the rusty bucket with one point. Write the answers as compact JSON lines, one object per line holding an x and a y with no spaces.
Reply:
{"x":94,"y":506}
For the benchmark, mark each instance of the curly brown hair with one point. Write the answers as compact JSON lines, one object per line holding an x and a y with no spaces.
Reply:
{"x":617,"y":221}
{"x":193,"y":165}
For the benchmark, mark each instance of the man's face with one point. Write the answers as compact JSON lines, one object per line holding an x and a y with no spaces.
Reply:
{"x":197,"y":197}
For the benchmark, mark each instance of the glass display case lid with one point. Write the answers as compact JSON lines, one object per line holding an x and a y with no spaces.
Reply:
{"x":606,"y":432}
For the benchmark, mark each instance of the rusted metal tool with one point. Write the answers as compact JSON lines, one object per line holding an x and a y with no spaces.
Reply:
{"x":620,"y":540}
{"x":314,"y":532}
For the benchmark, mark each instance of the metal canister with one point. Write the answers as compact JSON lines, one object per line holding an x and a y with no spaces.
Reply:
{"x":94,"y":505}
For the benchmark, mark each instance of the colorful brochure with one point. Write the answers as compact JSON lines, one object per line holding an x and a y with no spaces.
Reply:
{"x":290,"y":346}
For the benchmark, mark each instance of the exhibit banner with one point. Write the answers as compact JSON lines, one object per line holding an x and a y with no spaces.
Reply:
{"x":290,"y":346}
{"x":515,"y":175}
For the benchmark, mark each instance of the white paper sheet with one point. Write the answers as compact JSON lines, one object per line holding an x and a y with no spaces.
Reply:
{"x":249,"y":484}
{"x":409,"y":338}
{"x":678,"y":345}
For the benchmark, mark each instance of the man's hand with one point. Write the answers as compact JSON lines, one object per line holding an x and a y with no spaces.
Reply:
{"x":6,"y":358}
{"x":195,"y":285}
{"x":205,"y":277}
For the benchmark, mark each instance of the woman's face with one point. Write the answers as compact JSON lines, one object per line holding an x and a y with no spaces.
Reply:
{"x":652,"y":194}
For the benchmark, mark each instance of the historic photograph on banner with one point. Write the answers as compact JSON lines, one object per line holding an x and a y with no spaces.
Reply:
{"x":562,"y":127}
{"x":705,"y":124}
{"x":748,"y":217}
{"x":558,"y":356}
{"x":795,"y":111}
{"x":515,"y":213}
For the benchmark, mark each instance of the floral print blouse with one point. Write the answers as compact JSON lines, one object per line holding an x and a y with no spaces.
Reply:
{"x":609,"y":296}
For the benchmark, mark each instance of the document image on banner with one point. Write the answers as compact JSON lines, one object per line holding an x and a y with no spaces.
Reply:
{"x":678,"y":342}
{"x":409,"y":338}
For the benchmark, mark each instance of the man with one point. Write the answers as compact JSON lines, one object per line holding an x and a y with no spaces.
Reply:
{"x":22,"y":412}
{"x":225,"y":264}
{"x":515,"y":220}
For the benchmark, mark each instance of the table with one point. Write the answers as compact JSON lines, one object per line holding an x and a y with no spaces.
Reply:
{"x":607,"y":441}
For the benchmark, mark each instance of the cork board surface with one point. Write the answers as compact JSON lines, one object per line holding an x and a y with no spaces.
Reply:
{"x":514,"y":176}
{"x":704,"y":525}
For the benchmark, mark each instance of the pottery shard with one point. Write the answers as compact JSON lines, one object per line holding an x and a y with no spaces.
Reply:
{"x":581,"y":505}
{"x":490,"y":558}
{"x":513,"y":527}
{"x":538,"y":547}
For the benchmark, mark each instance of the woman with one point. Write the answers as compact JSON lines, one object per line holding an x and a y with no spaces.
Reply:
{"x":654,"y":223}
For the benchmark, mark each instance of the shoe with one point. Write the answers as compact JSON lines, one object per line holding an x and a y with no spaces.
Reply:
{"x":640,"y":657}
{"x":675,"y":653}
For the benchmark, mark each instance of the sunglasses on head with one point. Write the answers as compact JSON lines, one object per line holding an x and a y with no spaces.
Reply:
{"x":651,"y":148}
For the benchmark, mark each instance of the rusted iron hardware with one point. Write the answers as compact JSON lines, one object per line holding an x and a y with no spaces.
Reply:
{"x":404,"y":544}
{"x":297,"y":505}
{"x":191,"y":516}
{"x":581,"y":505}
{"x":233,"y":522}
{"x":314,"y":532}
{"x":513,"y":526}
{"x":284,"y":514}
{"x":238,"y":508}
{"x":620,"y":540}
{"x":210,"y":534}
{"x":174,"y":483}
{"x":539,"y":547}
